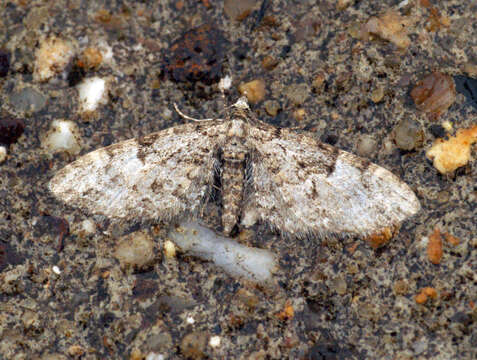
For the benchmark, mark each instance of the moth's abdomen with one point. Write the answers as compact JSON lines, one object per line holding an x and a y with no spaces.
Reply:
{"x":233,"y":175}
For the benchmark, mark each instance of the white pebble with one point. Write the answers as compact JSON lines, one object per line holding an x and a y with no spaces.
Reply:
{"x":225,"y":83}
{"x":214,"y":341}
{"x":88,"y":226}
{"x":62,"y":136}
{"x":3,"y":153}
{"x":236,"y":259}
{"x":135,"y":250}
{"x":169,"y":249}
{"x":154,"y":356}
{"x":92,"y":92}
{"x":56,"y":270}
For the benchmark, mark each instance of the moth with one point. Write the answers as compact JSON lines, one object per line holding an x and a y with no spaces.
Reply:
{"x":288,"y":180}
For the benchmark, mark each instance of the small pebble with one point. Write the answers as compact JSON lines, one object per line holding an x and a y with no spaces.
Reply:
{"x":449,"y":155}
{"x":366,"y":145}
{"x":159,"y":342}
{"x":269,"y":63}
{"x":297,"y":93}
{"x":154,"y":356}
{"x":254,"y":90}
{"x":3,"y":153}
{"x":10,"y":129}
{"x":90,"y":58}
{"x":135,"y":250}
{"x":51,"y":58}
{"x":389,"y":26}
{"x":400,"y":287}
{"x":434,"y":247}
{"x":424,"y":294}
{"x":169,"y":249}
{"x":408,"y":134}
{"x":379,"y":239}
{"x":87,"y":228}
{"x":377,"y":94}
{"x":193,"y":345}
{"x":239,"y":10}
{"x":92,"y":93}
{"x":214,"y":341}
{"x":272,"y":107}
{"x":63,"y":135}
{"x":434,"y":94}
{"x":28,"y":100}
{"x":471,"y":69}
{"x":197,"y":55}
{"x":319,"y":82}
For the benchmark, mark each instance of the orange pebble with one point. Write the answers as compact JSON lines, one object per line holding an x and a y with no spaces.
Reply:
{"x":434,"y":247}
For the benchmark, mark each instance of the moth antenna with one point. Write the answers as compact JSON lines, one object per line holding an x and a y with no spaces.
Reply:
{"x":189,"y":117}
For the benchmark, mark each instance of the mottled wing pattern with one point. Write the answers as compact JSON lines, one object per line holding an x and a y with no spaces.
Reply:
{"x":307,"y":187}
{"x":159,"y":176}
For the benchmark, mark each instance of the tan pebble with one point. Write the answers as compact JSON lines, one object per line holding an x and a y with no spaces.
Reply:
{"x":51,"y":58}
{"x":272,"y":107}
{"x":135,"y":250}
{"x":470,"y":69}
{"x":366,"y":145}
{"x":269,"y":62}
{"x":451,"y":239}
{"x":377,"y":94}
{"x":91,"y":58}
{"x":449,"y":155}
{"x":169,"y":249}
{"x":378,"y":239}
{"x":401,"y":287}
{"x":434,"y":247}
{"x":136,"y":354}
{"x":319,"y":81}
{"x":193,"y":345}
{"x":254,"y":90}
{"x":389,"y":26}
{"x":299,"y":114}
{"x":75,"y":350}
{"x":287,"y":313}
{"x":343,"y":4}
{"x":239,"y":10}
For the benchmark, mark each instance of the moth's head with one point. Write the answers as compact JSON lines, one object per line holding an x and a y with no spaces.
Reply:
{"x":241,"y":111}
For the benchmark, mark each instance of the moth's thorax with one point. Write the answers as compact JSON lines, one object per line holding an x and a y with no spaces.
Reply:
{"x":237,"y":128}
{"x":234,"y":149}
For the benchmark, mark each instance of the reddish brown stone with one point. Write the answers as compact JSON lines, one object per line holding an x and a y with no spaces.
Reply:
{"x":10,"y":130}
{"x":197,"y":55}
{"x":434,"y":94}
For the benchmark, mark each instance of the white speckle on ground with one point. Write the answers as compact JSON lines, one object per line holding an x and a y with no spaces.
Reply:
{"x":214,"y":341}
{"x":62,"y":136}
{"x":56,"y":270}
{"x":92,"y":92}
{"x":3,"y":153}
